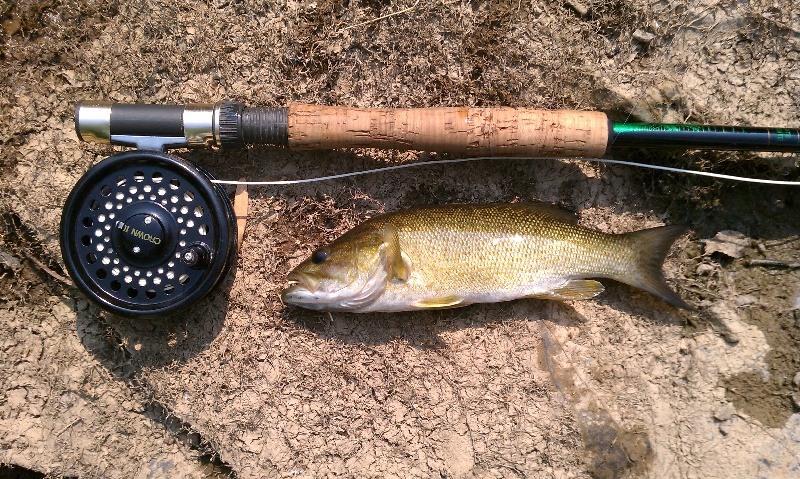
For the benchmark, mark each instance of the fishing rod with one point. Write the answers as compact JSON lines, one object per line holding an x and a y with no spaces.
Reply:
{"x":147,"y":234}
{"x":459,"y":130}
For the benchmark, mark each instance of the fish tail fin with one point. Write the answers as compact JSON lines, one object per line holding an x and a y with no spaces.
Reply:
{"x":651,"y":247}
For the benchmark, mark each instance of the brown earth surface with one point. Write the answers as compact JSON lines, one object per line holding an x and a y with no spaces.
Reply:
{"x":241,"y":385}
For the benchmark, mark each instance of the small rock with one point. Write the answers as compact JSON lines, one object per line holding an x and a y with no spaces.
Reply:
{"x":729,"y":243}
{"x":796,"y":400}
{"x":704,"y":269}
{"x":9,"y":261}
{"x":796,"y":380}
{"x":579,"y":8}
{"x":725,"y":428}
{"x":643,"y":36}
{"x":744,"y":300}
{"x":725,"y":319}
{"x":725,"y":412}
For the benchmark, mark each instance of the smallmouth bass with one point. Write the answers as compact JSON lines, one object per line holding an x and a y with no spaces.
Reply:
{"x":454,"y":255}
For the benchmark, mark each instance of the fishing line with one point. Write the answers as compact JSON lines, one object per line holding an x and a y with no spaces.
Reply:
{"x":464,"y":160}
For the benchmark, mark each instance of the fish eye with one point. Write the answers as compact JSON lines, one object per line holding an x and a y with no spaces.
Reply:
{"x":319,"y":256}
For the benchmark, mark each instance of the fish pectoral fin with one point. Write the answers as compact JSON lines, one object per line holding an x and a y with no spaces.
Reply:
{"x":574,"y":289}
{"x":401,"y":269}
{"x":398,"y":264}
{"x":438,"y":303}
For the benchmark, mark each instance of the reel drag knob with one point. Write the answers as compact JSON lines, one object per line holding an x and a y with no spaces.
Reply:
{"x":147,"y":234}
{"x":196,"y":256}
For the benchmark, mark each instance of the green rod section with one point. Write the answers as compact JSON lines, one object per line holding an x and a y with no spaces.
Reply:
{"x":703,"y":137}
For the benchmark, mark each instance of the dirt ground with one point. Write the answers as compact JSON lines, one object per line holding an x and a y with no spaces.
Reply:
{"x":620,"y":386}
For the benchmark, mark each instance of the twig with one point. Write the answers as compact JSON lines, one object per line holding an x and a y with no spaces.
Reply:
{"x":76,"y":421}
{"x":47,"y":270}
{"x":774,"y":263}
{"x":412,"y":7}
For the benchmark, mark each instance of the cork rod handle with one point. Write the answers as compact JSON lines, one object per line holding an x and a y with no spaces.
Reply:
{"x":460,"y":130}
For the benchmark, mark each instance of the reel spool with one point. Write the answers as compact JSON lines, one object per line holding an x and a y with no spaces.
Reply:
{"x":147,"y":234}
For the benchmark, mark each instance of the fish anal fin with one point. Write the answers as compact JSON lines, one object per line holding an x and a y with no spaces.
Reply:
{"x":574,"y":289}
{"x":439,"y":303}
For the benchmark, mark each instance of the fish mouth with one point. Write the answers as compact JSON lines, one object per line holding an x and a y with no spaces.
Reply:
{"x":299,"y":280}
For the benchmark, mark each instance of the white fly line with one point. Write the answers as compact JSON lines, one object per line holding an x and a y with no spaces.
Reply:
{"x":483,"y":158}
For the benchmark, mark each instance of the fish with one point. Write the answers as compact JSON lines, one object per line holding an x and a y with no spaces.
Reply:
{"x":447,"y":256}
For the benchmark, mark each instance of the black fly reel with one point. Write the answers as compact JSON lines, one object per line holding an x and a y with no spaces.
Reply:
{"x":147,"y":234}
{"x":144,"y":233}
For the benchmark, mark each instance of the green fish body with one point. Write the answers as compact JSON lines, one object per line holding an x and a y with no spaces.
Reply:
{"x":455,"y":255}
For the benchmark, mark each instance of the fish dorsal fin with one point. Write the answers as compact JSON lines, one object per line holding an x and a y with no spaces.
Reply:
{"x":573,"y":289}
{"x":439,"y":303}
{"x":555,"y":211}
{"x":398,"y":264}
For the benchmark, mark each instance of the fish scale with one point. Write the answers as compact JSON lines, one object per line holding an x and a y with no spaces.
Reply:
{"x":504,"y":249}
{"x":456,"y":255}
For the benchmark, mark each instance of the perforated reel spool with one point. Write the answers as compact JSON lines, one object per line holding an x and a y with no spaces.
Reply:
{"x":147,"y":234}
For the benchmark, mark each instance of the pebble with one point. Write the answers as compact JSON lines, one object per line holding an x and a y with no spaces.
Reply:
{"x":580,"y":8}
{"x":729,"y":243}
{"x":704,"y":269}
{"x":643,"y":36}
{"x":796,"y":400}
{"x":725,"y":319}
{"x":796,"y":380}
{"x":744,"y":300}
{"x":725,"y":412}
{"x":725,"y":428}
{"x":10,"y":261}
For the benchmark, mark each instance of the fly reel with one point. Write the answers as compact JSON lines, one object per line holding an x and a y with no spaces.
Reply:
{"x":146,"y":234}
